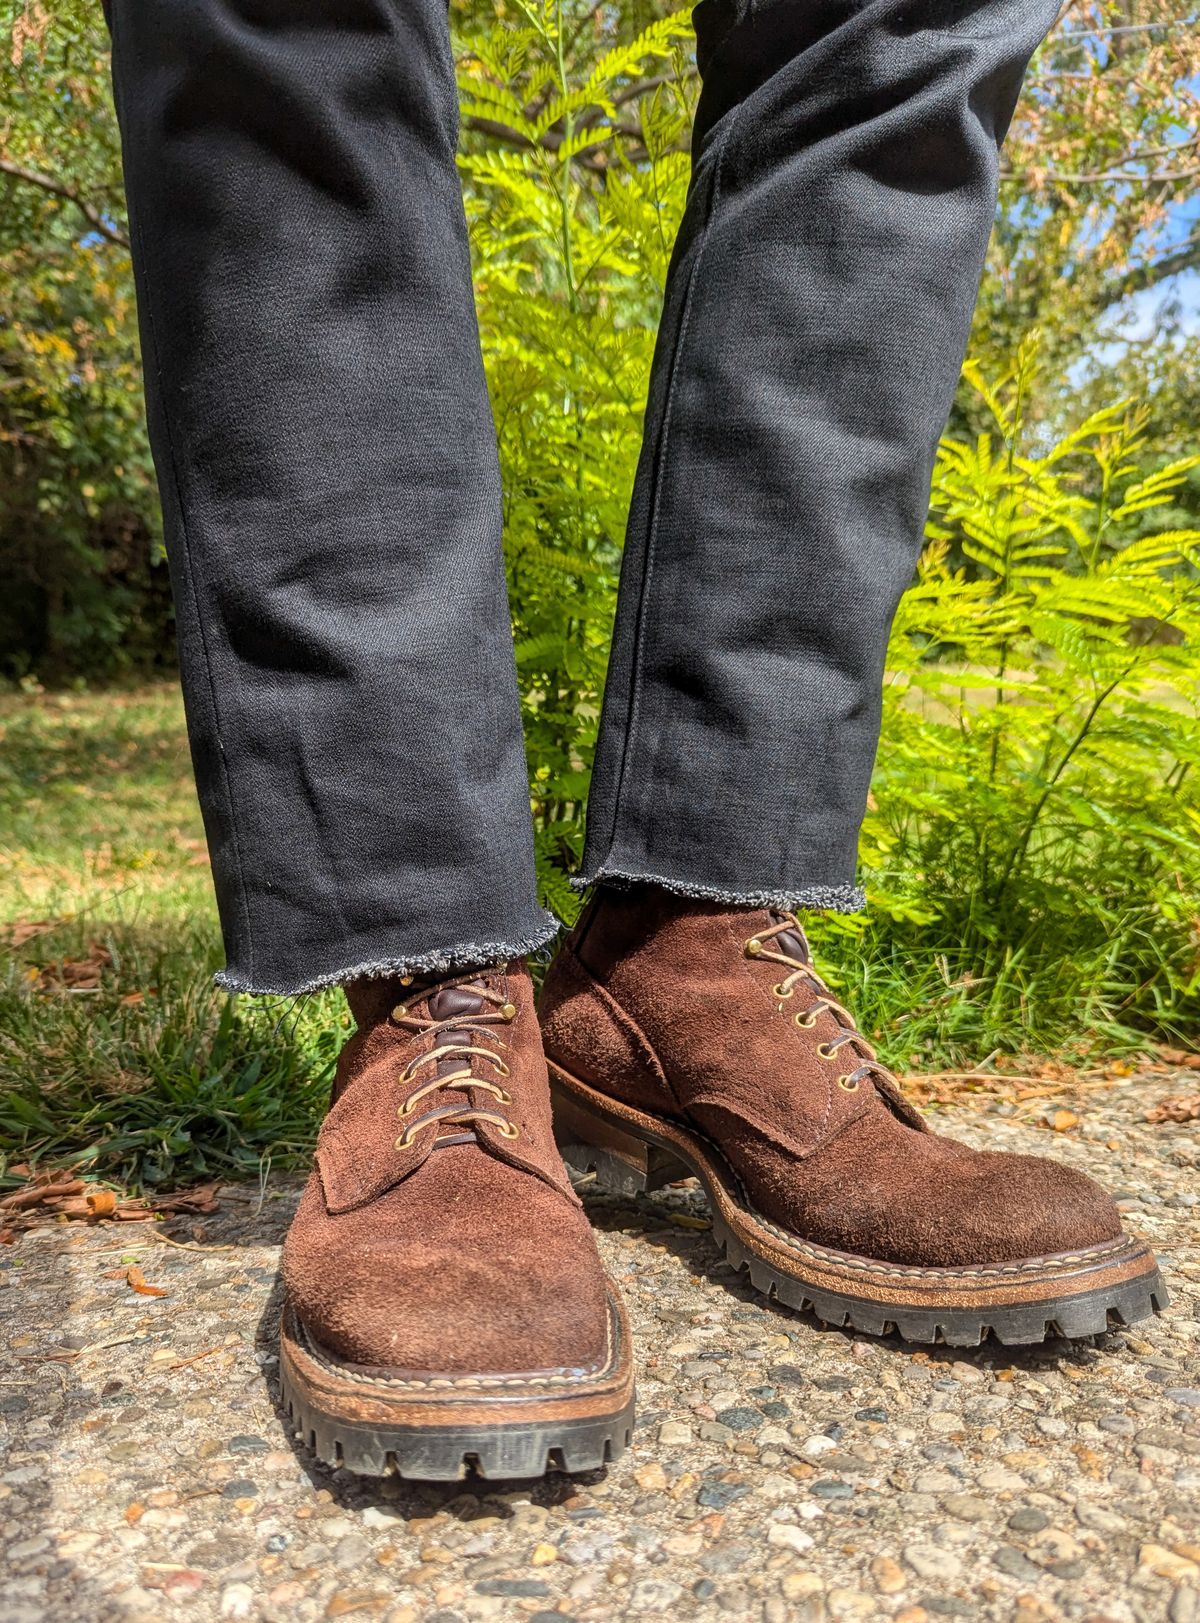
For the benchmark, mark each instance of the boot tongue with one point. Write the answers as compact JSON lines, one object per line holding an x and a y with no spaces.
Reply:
{"x":449,"y":1001}
{"x":793,"y":944}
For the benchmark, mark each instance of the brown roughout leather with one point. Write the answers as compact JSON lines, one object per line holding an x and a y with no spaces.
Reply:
{"x":659,"y":1003}
{"x":464,"y":1250}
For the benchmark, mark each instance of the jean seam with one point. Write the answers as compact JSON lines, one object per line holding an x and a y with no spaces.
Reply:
{"x":656,"y":499}
{"x":189,"y":576}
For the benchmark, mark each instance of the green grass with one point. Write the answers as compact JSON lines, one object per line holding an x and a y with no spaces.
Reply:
{"x":146,"y":1074}
{"x":151,"y":1075}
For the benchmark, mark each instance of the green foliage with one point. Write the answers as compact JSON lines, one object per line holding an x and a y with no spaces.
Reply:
{"x":571,"y":261}
{"x":138,"y":1066}
{"x":1036,"y":821}
{"x":1033,"y":843}
{"x":1032,"y":851}
{"x":82,"y":585}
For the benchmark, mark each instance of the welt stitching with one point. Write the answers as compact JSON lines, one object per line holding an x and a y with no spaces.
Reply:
{"x":840,"y":1259}
{"x":465,"y":1383}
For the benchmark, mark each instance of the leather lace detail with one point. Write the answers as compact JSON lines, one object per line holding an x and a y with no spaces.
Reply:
{"x":792,"y":951}
{"x":456,"y":1025}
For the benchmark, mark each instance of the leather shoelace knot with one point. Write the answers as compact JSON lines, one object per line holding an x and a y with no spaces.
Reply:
{"x":796,"y":957}
{"x":458,"y":1026}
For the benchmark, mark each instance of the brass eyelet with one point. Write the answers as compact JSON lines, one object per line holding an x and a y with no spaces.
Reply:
{"x":754,"y":947}
{"x":504,"y":1097}
{"x":399,"y":1012}
{"x":805,"y":1020}
{"x":781,"y":991}
{"x":508,"y":1130}
{"x":502,"y":1069}
{"x":406,"y":980}
{"x":824,"y":1051}
{"x":509,"y":1012}
{"x":403,"y":1142}
{"x":847,"y":1084}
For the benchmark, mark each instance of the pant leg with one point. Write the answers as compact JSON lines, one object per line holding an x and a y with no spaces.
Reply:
{"x":327,"y":463}
{"x":818,"y":306}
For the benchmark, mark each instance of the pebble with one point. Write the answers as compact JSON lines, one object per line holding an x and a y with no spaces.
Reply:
{"x":786,"y":1474}
{"x":1028,"y":1521}
{"x":237,"y":1600}
{"x":797,"y":1585}
{"x":888,"y":1575}
{"x":1016,"y":1564}
{"x":786,"y":1535}
{"x":675,"y":1434}
{"x":655,"y":1595}
{"x":928,"y":1562}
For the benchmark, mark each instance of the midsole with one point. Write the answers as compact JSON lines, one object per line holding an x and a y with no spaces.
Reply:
{"x":1034,"y":1279}
{"x":353,"y":1398}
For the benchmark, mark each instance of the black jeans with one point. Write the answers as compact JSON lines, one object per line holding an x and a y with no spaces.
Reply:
{"x":328,"y":467}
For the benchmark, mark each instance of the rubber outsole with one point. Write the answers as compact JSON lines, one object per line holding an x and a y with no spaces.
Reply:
{"x":450,"y":1430}
{"x":630,"y":1153}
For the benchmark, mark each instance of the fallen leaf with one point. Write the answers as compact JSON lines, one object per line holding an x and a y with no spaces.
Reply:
{"x":27,"y":930}
{"x":77,"y":974}
{"x":37,"y":1193}
{"x":136,"y":1281}
{"x":1062,"y":1121}
{"x":1178,"y":1107}
{"x":1179,"y":1056}
{"x":101,"y":1202}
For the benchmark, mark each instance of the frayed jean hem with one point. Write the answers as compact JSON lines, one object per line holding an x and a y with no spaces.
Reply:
{"x":816,"y":898}
{"x":465,"y":955}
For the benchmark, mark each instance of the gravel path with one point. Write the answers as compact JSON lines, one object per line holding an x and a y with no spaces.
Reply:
{"x":780,"y":1470}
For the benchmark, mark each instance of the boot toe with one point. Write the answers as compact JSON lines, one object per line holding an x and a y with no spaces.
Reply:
{"x":1027,"y":1206}
{"x":473,"y":1293}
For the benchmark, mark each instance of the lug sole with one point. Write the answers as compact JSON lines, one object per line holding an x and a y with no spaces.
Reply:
{"x":446,"y":1429}
{"x":1072,"y":1294}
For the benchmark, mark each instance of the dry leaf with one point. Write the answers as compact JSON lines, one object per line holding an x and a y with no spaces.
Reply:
{"x":77,"y":974}
{"x":27,"y":930}
{"x":1177,"y":1107}
{"x":38,"y":1193}
{"x":136,"y":1281}
{"x":1179,"y":1056}
{"x":101,"y":1202}
{"x":1062,"y":1121}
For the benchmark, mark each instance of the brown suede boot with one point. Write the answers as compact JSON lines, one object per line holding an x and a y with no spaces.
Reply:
{"x":690,"y":1038}
{"x":446,"y":1306}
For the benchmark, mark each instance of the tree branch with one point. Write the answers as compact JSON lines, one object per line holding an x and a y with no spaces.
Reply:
{"x":56,"y":188}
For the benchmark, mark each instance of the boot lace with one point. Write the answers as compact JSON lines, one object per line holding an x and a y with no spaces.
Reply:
{"x":765,"y":945}
{"x":500,"y":1013}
